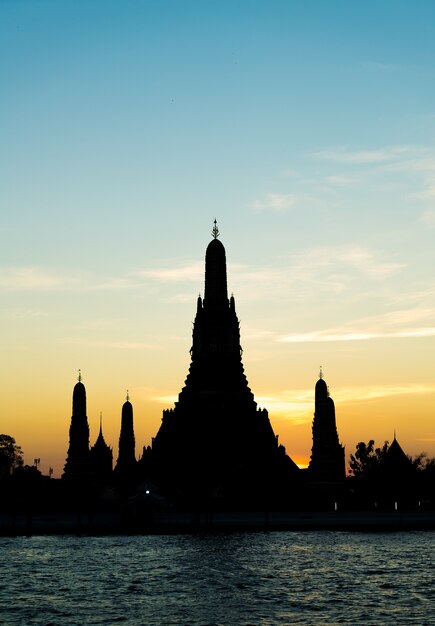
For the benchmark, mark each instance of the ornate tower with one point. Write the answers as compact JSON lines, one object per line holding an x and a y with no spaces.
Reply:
{"x":327,"y":455}
{"x":78,"y":466}
{"x":216,"y":442}
{"x":126,"y":463}
{"x":101,"y":458}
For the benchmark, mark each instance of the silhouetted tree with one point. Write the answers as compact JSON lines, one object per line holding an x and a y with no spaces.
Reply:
{"x":11,"y":455}
{"x":27,"y":473}
{"x":367,"y":460}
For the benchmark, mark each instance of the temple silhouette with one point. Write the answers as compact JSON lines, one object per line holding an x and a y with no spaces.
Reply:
{"x":215,"y":460}
{"x":215,"y":444}
{"x":78,"y":461}
{"x":327,"y":462}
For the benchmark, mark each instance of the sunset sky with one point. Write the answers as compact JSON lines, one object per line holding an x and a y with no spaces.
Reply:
{"x":306,"y":128}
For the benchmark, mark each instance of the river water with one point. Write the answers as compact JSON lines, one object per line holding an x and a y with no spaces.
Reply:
{"x":233,"y":579}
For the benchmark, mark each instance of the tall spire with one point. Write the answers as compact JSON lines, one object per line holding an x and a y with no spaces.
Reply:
{"x":215,"y":291}
{"x":77,"y":463}
{"x":126,"y":463}
{"x":101,"y":458}
{"x":216,"y":440}
{"x":327,"y":454}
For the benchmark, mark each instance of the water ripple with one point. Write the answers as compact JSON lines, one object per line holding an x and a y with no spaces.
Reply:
{"x":239,"y":579}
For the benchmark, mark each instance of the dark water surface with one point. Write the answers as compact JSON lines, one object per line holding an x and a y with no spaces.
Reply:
{"x":231,"y":579}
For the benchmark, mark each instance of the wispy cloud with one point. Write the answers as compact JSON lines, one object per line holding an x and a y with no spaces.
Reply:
{"x":166,"y":400}
{"x":415,"y":163}
{"x":341,"y":180}
{"x":342,"y":154}
{"x":427,"y":196}
{"x":23,"y":314}
{"x":297,"y":406}
{"x":33,"y":278}
{"x":322,"y":269}
{"x":396,"y":324}
{"x":384,"y":67}
{"x":357,"y":257}
{"x":38,"y":279}
{"x":117,"y":283}
{"x":115,"y":345}
{"x":428,"y":217}
{"x":191,"y":272}
{"x":274,"y":202}
{"x":402,"y":68}
{"x":375,"y":392}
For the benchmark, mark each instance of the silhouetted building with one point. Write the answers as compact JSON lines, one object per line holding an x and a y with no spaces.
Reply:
{"x":101,"y":459}
{"x":126,"y":464}
{"x":216,"y":442}
{"x":398,"y":474}
{"x":78,"y":463}
{"x":327,"y":463}
{"x":396,"y":462}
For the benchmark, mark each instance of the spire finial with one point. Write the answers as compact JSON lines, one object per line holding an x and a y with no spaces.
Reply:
{"x":127,"y":396}
{"x":321,"y":373}
{"x":101,"y":422}
{"x":215,"y":231}
{"x":79,"y":378}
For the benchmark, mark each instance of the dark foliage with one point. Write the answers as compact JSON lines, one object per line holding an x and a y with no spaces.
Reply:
{"x":11,"y":455}
{"x":367,"y":460}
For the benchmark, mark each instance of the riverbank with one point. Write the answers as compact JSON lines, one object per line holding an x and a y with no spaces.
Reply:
{"x":188,"y":522}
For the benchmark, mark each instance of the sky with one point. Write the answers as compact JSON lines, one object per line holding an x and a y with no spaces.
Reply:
{"x":306,"y":128}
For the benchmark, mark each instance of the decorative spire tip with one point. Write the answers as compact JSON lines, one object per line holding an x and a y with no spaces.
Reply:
{"x":79,"y":377}
{"x":215,"y":231}
{"x":321,"y":372}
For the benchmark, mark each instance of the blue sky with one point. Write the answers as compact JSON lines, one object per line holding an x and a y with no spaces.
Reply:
{"x":306,"y":128}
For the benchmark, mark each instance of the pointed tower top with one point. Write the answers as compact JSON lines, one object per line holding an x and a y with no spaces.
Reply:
{"x":79,"y":377}
{"x":215,"y":231}
{"x":101,"y":422}
{"x":127,"y":397}
{"x":215,"y":289}
{"x":321,"y":373}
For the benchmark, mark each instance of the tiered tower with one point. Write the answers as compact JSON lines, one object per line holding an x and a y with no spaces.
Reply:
{"x":78,"y":463}
{"x":216,"y":442}
{"x":126,"y":463}
{"x":101,"y":458}
{"x":327,"y":463}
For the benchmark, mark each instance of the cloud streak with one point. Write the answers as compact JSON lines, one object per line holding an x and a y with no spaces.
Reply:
{"x":192,"y":272}
{"x":396,"y":324}
{"x":33,"y":278}
{"x":297,"y":406}
{"x":410,"y":160}
{"x":115,"y":345}
{"x":274,"y":202}
{"x":376,"y":392}
{"x":342,"y":154}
